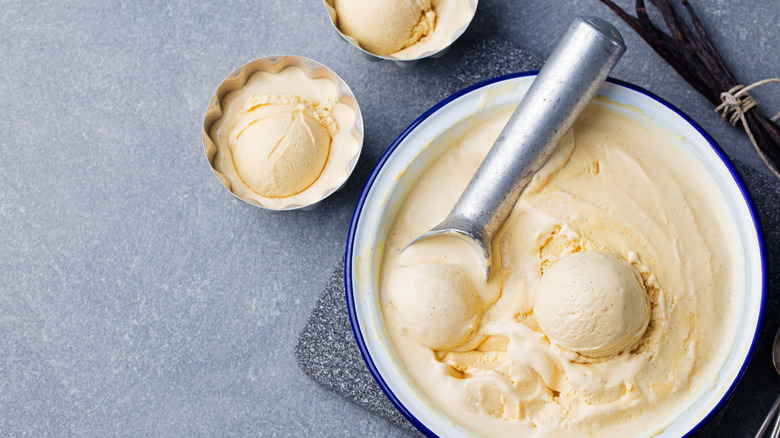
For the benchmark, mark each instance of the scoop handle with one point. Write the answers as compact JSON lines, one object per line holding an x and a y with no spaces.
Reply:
{"x":569,"y":79}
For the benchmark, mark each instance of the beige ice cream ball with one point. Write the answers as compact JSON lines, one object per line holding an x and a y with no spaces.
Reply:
{"x":437,"y":303}
{"x":383,"y":27}
{"x":592,"y":302}
{"x":279,"y":149}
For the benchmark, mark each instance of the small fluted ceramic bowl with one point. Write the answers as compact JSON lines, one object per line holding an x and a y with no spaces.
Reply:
{"x":409,"y":156}
{"x":452,"y":19}
{"x":259,"y":75}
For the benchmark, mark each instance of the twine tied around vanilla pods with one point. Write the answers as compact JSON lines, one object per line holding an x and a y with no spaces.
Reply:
{"x":690,"y":51}
{"x":736,"y":102}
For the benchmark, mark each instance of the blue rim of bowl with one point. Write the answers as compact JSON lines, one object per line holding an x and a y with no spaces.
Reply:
{"x":354,"y":322}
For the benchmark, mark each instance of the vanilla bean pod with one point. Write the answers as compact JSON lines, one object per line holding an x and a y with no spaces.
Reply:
{"x":693,"y":56}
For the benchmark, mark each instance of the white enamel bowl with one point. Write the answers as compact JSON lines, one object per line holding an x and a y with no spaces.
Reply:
{"x":410,"y":154}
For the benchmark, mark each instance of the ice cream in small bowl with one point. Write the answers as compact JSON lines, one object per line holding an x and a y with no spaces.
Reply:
{"x":627,"y":291}
{"x":283,"y":132}
{"x":401,"y":30}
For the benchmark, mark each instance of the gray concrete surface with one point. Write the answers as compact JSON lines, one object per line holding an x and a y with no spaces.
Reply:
{"x":138,"y":298}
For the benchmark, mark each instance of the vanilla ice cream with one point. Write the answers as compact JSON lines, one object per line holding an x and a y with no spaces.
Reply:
{"x":592,"y":302}
{"x":280,"y":145}
{"x":383,"y":27}
{"x":285,"y":139}
{"x":401,"y":29}
{"x":437,"y":302}
{"x":609,"y":308}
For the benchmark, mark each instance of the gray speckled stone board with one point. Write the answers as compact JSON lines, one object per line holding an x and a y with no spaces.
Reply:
{"x":138,"y":298}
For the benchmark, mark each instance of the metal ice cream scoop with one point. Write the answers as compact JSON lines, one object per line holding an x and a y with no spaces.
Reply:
{"x":573,"y":73}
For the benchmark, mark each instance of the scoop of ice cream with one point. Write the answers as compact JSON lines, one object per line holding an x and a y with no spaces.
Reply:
{"x":592,"y":302}
{"x":437,"y":303}
{"x":383,"y":27}
{"x":279,"y":149}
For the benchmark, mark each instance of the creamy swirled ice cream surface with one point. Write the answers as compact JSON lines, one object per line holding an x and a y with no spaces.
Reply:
{"x":608,"y":310}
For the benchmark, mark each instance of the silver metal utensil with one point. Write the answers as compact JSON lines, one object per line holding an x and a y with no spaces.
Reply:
{"x":573,"y":73}
{"x":773,"y":413}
